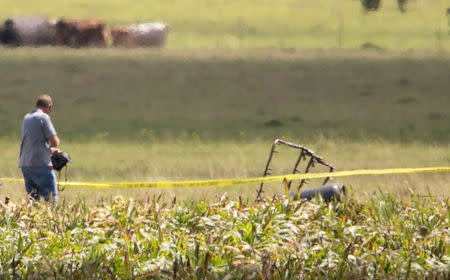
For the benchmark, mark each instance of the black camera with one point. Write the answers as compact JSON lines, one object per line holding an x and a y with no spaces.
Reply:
{"x":59,"y":160}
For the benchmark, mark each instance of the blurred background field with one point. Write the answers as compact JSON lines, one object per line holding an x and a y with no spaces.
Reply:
{"x":363,"y":90}
{"x":265,"y":23}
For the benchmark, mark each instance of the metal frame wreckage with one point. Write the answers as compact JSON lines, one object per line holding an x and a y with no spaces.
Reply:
{"x":312,"y":159}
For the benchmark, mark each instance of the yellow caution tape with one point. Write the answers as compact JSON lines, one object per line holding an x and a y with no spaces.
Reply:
{"x":230,"y":182}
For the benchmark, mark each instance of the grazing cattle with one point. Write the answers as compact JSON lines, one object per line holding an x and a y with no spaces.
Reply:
{"x":373,"y":5}
{"x":370,"y":5}
{"x":402,"y":5}
{"x":140,"y":35}
{"x":34,"y":30}
{"x":80,"y":33}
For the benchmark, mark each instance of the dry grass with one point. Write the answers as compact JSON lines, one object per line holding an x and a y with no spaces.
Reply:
{"x":158,"y":161}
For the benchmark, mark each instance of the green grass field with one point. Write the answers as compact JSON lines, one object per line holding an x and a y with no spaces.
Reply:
{"x":295,"y":24}
{"x":245,"y":95}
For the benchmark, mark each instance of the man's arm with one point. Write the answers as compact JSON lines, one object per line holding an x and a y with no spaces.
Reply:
{"x":54,"y":141}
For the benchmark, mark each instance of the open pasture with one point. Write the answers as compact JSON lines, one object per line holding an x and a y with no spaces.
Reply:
{"x":297,"y":24}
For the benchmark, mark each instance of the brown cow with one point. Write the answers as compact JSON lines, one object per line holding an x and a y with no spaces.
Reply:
{"x":121,"y":36}
{"x":80,"y":33}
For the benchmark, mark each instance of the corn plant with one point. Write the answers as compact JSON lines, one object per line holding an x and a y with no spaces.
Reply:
{"x":273,"y":239}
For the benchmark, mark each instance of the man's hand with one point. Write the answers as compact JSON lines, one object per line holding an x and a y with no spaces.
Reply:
{"x":53,"y":150}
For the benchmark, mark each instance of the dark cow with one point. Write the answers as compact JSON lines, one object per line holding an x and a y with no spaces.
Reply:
{"x":78,"y":33}
{"x":33,"y":30}
{"x":7,"y":34}
{"x":370,"y":5}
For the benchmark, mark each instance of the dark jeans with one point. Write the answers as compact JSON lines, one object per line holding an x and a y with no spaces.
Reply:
{"x":40,"y":182}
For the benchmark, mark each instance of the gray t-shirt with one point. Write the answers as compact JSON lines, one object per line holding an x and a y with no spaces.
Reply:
{"x":35,"y":148}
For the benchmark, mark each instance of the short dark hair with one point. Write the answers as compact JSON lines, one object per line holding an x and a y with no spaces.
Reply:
{"x":43,"y":101}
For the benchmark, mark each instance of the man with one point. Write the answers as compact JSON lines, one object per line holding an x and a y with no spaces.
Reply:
{"x":39,"y":140}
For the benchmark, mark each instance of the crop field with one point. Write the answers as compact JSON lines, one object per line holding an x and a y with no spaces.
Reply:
{"x":145,"y":239}
{"x":362,"y":90}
